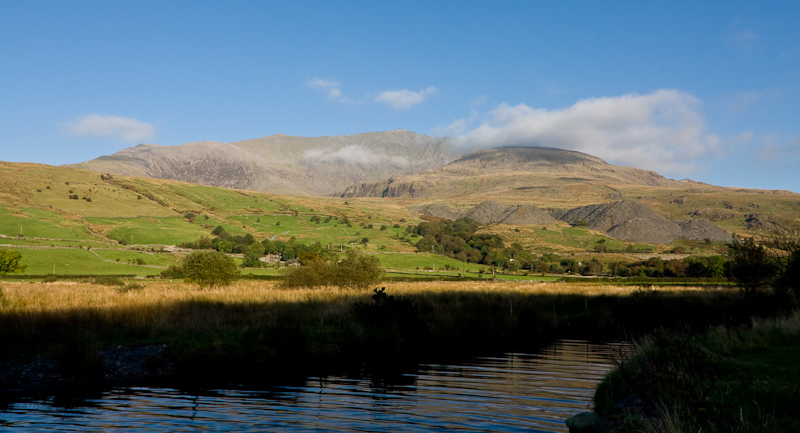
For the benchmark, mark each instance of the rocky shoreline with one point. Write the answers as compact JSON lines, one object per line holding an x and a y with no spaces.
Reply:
{"x":120,"y":365}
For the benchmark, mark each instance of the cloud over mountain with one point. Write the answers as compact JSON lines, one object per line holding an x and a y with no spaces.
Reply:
{"x":663,"y":130}
{"x":353,"y":154}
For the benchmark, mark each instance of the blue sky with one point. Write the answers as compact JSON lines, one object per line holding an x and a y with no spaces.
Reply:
{"x":706,"y":90}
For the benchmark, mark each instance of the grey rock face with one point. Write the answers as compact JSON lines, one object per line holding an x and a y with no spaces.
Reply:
{"x":634,"y":222}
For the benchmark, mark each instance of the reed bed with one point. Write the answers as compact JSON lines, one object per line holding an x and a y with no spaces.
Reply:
{"x":64,"y":296}
{"x":252,"y":325}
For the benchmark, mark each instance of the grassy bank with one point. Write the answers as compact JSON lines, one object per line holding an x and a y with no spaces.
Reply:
{"x":725,"y":380}
{"x":255,"y":330}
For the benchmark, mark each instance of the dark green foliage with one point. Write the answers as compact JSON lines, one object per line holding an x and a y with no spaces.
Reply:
{"x":252,"y":257}
{"x":10,"y":262}
{"x":788,"y":264}
{"x":272,"y":247}
{"x":751,"y":264}
{"x":690,"y":267}
{"x":173,"y":272}
{"x":218,"y":230}
{"x":354,"y":271}
{"x":458,"y":239}
{"x":209,"y":269}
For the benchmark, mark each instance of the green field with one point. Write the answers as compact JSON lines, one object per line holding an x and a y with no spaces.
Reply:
{"x":151,"y":230}
{"x":40,"y":223}
{"x":75,"y":262}
{"x":126,"y":256}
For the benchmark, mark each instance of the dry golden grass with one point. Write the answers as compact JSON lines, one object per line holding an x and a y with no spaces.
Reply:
{"x":41,"y":297}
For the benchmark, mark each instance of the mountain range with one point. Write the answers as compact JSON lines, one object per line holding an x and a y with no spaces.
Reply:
{"x":285,"y":164}
{"x":415,"y":171}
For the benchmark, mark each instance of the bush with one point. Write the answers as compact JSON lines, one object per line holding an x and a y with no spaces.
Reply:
{"x":10,"y":262}
{"x":355,"y":271}
{"x":209,"y":268}
{"x":172,"y":272}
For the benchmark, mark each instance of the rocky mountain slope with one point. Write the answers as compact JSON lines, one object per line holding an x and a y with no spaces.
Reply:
{"x":513,"y":168}
{"x":284,"y":164}
{"x":635,"y":222}
{"x":623,"y":220}
{"x":489,"y":212}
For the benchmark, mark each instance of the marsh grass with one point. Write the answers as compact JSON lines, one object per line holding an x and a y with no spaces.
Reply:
{"x":742,"y":379}
{"x":256,"y":329}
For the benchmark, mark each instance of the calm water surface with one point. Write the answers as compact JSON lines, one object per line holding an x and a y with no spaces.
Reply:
{"x":512,"y":392}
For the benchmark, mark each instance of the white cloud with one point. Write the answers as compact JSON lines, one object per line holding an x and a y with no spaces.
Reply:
{"x":662,"y":131}
{"x":353,"y":154}
{"x":404,"y":99}
{"x":332,"y":88}
{"x":125,"y":128}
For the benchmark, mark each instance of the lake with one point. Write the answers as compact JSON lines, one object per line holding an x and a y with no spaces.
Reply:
{"x":504,"y":393}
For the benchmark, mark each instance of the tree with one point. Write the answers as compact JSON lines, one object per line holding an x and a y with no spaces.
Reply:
{"x":788,"y":265}
{"x":354,"y":271}
{"x":225,"y":246}
{"x":209,"y":268}
{"x":252,"y":257}
{"x":218,"y":231}
{"x":10,"y":262}
{"x":751,"y":264}
{"x":358,"y":271}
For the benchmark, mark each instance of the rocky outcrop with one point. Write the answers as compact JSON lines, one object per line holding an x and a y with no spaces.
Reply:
{"x":437,"y":211}
{"x":634,"y":222}
{"x":489,"y":212}
{"x":385,"y":189}
{"x":528,"y":215}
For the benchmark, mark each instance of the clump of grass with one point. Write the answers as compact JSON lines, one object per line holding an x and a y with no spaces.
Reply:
{"x":130,"y":286}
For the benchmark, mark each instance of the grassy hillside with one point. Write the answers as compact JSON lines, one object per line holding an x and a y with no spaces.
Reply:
{"x":85,"y":222}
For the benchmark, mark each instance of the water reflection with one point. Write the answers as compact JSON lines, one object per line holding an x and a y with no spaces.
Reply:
{"x":513,"y":392}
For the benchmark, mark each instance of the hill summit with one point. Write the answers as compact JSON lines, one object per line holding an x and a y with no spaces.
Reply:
{"x":500,"y":170}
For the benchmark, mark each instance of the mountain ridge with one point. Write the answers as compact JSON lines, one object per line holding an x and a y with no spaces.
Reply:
{"x":282,"y":163}
{"x":531,"y":167}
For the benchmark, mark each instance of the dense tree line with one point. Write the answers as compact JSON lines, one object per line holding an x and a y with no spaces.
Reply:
{"x":252,"y":249}
{"x":458,"y":239}
{"x":689,"y":267}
